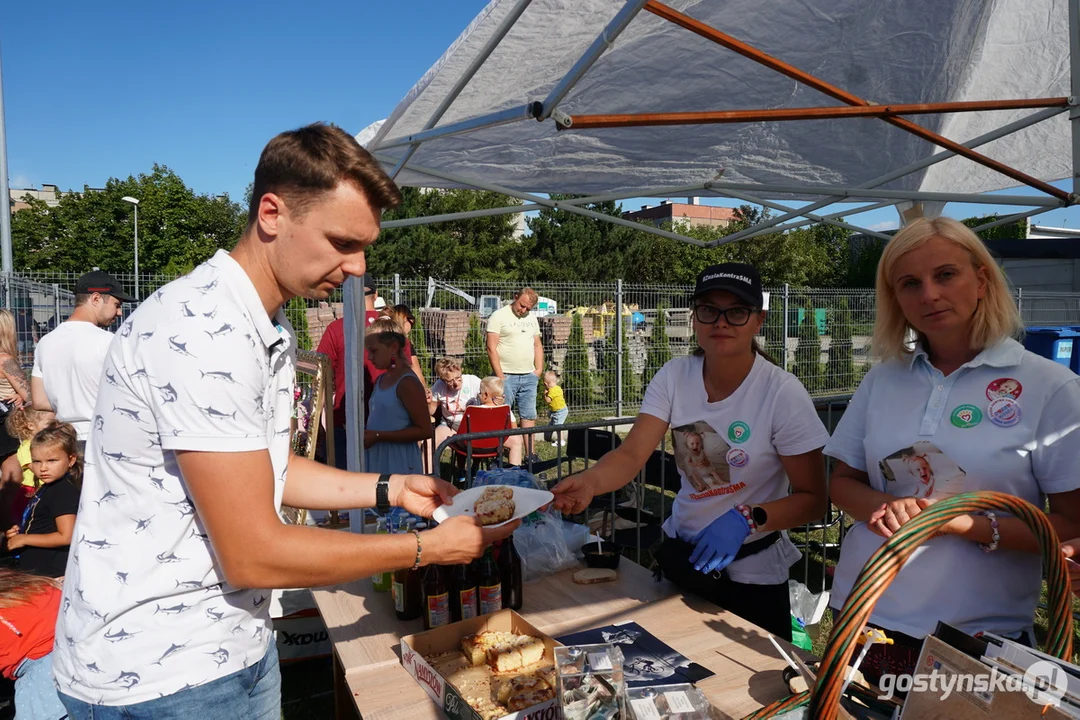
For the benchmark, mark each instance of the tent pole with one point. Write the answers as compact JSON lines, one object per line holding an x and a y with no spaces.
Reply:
{"x":678,"y":191}
{"x":466,"y":77}
{"x":811,"y":216}
{"x":1011,"y":218}
{"x":1001,"y":132}
{"x":558,"y":205}
{"x":514,"y":114}
{"x":717,"y":117}
{"x":599,"y":45}
{"x":1074,"y":100}
{"x":468,"y":215}
{"x":710,"y":33}
{"x":875,"y":194}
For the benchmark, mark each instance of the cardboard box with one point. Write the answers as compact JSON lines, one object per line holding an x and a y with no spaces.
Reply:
{"x":448,"y":638}
{"x":966,"y":703}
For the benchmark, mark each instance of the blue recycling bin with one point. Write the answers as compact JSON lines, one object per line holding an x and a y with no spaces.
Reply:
{"x":1060,"y":344}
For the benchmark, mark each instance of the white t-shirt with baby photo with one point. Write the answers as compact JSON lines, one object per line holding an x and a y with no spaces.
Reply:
{"x":728,"y":452}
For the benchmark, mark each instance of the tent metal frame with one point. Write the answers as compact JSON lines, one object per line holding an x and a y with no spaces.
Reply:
{"x":548,"y":109}
{"x":1050,"y":197}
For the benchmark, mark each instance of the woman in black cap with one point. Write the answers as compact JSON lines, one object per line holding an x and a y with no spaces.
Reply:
{"x":747,"y":444}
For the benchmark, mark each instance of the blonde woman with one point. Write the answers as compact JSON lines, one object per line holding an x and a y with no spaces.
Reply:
{"x":936,"y":281}
{"x":403,"y":316}
{"x":14,"y":387}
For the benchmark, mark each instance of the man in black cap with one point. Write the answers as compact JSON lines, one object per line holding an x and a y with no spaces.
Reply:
{"x":68,"y":360}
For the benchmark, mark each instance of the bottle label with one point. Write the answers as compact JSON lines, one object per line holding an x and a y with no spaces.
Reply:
{"x":490,"y":598}
{"x":468,"y":603}
{"x":438,"y":610}
{"x":399,"y":597}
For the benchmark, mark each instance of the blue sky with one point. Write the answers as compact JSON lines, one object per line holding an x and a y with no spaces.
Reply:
{"x":100,"y":90}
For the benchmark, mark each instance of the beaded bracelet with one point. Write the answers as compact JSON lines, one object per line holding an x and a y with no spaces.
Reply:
{"x":416,"y":564}
{"x":747,"y":513}
{"x":995,"y":536}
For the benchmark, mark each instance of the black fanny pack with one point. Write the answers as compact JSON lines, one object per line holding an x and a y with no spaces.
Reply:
{"x":673,"y":556}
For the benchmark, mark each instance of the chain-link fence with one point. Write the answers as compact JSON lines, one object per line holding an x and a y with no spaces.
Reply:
{"x":606,"y":340}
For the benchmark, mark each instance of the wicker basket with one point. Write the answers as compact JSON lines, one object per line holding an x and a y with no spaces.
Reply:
{"x":885,"y":564}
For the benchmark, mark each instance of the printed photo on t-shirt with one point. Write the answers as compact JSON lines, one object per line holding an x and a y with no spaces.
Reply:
{"x":922,"y":471}
{"x":701,"y":454}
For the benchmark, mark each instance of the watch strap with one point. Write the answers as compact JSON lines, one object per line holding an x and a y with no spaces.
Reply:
{"x":382,"y":493}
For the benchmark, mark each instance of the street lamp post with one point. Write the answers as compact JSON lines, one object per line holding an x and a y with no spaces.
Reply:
{"x":133,"y":201}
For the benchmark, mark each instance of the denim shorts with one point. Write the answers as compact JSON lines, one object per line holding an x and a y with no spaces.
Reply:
{"x":254,"y":692}
{"x":35,"y":691}
{"x":520,"y":394}
{"x":558,"y":417}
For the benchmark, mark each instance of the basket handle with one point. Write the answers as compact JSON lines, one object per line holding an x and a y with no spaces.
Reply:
{"x":885,"y":564}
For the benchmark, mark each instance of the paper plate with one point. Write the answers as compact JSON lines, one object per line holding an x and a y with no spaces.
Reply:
{"x":526,"y":501}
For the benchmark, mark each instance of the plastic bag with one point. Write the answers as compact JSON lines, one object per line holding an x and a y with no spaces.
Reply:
{"x":807,"y":608}
{"x":540,"y":540}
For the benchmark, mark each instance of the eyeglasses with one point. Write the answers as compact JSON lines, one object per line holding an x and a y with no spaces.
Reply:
{"x":735,"y":316}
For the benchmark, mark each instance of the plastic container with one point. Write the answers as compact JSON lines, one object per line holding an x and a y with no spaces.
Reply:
{"x":590,"y":682}
{"x":601,"y":556}
{"x":682,"y":701}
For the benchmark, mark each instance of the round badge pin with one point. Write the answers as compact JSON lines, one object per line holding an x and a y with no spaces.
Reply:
{"x":966,"y":416}
{"x":737,"y":457}
{"x":1004,"y":387}
{"x":1004,"y":412}
{"x":738,"y":432}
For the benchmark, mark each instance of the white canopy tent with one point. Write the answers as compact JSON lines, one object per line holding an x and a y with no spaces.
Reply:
{"x":757,"y":100}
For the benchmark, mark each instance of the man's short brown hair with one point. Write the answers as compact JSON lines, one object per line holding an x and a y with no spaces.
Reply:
{"x":299,"y":165}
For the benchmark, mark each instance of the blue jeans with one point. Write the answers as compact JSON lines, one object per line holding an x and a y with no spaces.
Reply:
{"x":254,"y":692}
{"x":35,"y":691}
{"x":520,"y":391}
{"x":558,"y":417}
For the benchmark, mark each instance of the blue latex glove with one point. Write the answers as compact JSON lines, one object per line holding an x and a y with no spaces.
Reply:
{"x":717,"y":544}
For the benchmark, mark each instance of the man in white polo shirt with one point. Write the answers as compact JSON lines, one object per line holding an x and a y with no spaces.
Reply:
{"x":165,"y":612}
{"x":68,"y":360}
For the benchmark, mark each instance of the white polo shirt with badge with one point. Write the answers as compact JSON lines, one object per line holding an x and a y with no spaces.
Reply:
{"x":728,"y":452}
{"x":146,"y":611}
{"x":1007,"y":421}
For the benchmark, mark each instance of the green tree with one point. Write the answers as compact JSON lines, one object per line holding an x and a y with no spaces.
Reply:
{"x":565,"y":246}
{"x":577,"y":381}
{"x":418,"y":338}
{"x":659,"y":347}
{"x":773,"y":328}
{"x":476,"y":361}
{"x":178,"y":228}
{"x":840,"y":369}
{"x":481,"y":248}
{"x":808,"y":353}
{"x":1017,"y":230}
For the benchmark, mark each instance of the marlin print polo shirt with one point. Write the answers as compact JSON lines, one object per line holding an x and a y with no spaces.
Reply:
{"x":146,"y":611}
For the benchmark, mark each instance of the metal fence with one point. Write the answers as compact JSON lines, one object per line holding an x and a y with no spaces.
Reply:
{"x":822,"y":335}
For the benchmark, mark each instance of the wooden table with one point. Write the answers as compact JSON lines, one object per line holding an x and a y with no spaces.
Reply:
{"x":366,"y":634}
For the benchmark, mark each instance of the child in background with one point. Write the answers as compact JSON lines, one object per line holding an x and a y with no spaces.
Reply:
{"x":491,"y":395}
{"x":398,"y":413}
{"x":17,"y":484}
{"x":28,"y":608}
{"x":556,"y":402}
{"x":43,"y":538}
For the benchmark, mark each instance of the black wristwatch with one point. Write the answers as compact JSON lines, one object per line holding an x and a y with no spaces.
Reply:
{"x":382,"y":494}
{"x":760,"y":516}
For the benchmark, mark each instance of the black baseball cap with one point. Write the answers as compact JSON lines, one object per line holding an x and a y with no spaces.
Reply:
{"x":369,"y":285}
{"x":739,"y":279}
{"x":99,"y":281}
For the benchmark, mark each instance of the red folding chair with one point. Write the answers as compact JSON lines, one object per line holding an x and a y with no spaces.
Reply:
{"x":478,"y":418}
